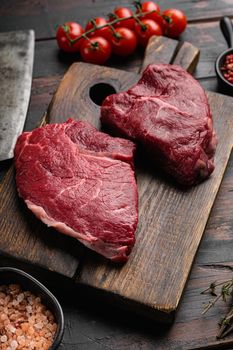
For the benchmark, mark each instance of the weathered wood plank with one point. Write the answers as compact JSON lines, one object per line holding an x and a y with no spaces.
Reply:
{"x":159,"y":50}
{"x":78,"y":104}
{"x":43,"y":90}
{"x":44,"y":16}
{"x":89,"y":325}
{"x":171,"y":224}
{"x":41,"y":245}
{"x":206,"y":36}
{"x":210,"y":84}
{"x":26,"y":238}
{"x":157,"y":227}
{"x":92,"y":328}
{"x":187,"y":57}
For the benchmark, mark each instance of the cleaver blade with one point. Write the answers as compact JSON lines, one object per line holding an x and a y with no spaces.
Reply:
{"x":16,"y":64}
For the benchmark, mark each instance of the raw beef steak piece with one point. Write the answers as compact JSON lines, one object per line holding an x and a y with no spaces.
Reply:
{"x":79,"y":181}
{"x":168,"y":112}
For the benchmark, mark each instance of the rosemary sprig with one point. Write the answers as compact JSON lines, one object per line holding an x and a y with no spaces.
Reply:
{"x":221,"y":290}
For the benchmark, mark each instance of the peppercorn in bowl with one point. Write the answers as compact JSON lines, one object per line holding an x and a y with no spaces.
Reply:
{"x":224,"y":71}
{"x":224,"y":62}
{"x":31,"y":318}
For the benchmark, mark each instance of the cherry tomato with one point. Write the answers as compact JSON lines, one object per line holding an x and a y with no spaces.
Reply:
{"x":177,"y":22}
{"x":122,"y":12}
{"x":65,"y":33}
{"x":146,"y":29}
{"x":104,"y":32}
{"x":155,"y":16}
{"x":95,"y":50}
{"x":124,"y":42}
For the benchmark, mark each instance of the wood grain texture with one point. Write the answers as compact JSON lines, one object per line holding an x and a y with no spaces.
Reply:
{"x":187,"y":57}
{"x":160,"y":50}
{"x":26,"y":238}
{"x":74,"y":100}
{"x":171,"y":221}
{"x":89,"y":324}
{"x":171,"y":224}
{"x":44,"y":16}
{"x":165,"y":50}
{"x":206,"y":36}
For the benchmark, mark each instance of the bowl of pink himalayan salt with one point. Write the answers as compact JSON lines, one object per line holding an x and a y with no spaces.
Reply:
{"x":31,"y":318}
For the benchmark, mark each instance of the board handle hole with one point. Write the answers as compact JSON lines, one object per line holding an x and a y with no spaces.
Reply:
{"x":100,"y":91}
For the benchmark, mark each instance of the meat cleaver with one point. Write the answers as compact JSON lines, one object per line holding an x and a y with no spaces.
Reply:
{"x":16,"y":63}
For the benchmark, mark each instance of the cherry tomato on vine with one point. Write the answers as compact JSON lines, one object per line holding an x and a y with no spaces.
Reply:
{"x":176,"y":23}
{"x":104,"y":32}
{"x":151,"y":6}
{"x":124,"y":41}
{"x":96,"y":50}
{"x":67,"y":32}
{"x":122,"y":12}
{"x":146,"y":29}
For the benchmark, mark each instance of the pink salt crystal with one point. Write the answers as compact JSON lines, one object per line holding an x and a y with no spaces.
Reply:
{"x":31,"y":300}
{"x":20,"y":297}
{"x":7,"y":299}
{"x":31,"y":319}
{"x":3,"y":338}
{"x":11,"y":328}
{"x":29,"y":309}
{"x":38,"y":325}
{"x":27,"y":323}
{"x":19,"y":331}
{"x":15,"y":287}
{"x":3,"y":317}
{"x":31,"y":330}
{"x":14,"y":344}
{"x":48,"y":335}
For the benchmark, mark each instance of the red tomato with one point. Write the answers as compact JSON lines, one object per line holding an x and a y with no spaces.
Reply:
{"x":95,"y":50}
{"x":124,"y":42}
{"x":65,"y":33}
{"x":177,"y":22}
{"x":146,"y":30}
{"x":151,"y":6}
{"x":122,"y":12}
{"x":104,"y":32}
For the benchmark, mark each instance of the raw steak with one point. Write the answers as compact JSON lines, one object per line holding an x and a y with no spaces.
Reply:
{"x":168,"y":112}
{"x":79,"y":181}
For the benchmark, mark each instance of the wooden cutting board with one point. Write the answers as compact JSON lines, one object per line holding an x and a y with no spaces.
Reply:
{"x":171,"y":220}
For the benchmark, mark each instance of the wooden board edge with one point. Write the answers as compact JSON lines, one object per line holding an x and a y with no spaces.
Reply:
{"x":187,"y":56}
{"x":146,"y":311}
{"x":159,"y":50}
{"x":162,"y":314}
{"x":67,"y":271}
{"x":176,"y":52}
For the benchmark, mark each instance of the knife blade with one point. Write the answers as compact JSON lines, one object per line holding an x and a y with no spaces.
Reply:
{"x":16,"y":65}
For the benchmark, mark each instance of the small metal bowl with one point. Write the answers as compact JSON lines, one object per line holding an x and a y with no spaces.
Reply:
{"x":227,"y":30}
{"x":223,"y":82}
{"x":10,"y":275}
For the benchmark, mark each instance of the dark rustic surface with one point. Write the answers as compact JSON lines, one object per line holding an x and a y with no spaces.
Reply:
{"x":25,"y":237}
{"x":171,"y":221}
{"x":90,"y":324}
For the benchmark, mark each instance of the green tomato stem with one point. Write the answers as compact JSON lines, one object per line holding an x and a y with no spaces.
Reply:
{"x":111,"y":24}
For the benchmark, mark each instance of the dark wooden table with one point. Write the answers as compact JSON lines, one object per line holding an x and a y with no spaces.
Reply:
{"x":90,"y":322}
